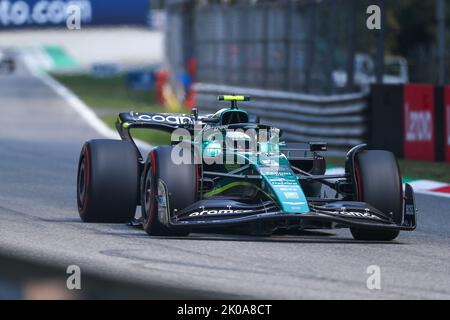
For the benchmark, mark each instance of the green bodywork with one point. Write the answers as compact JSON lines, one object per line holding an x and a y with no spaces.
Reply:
{"x":279,"y":183}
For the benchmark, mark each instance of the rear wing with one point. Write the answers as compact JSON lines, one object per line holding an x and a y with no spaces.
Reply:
{"x":167,"y":122}
{"x":155,"y":120}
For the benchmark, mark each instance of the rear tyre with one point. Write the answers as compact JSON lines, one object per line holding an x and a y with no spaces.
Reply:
{"x":107,"y":183}
{"x":379,"y":184}
{"x":180,"y":182}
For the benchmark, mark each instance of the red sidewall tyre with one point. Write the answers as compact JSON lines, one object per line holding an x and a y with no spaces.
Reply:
{"x":107,"y":181}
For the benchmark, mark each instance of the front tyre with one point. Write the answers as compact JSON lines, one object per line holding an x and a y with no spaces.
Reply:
{"x":163,"y":178}
{"x":107,"y":182}
{"x":378,"y":183}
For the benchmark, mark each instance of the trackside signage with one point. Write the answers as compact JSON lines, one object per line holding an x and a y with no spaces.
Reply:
{"x":54,"y":13}
{"x":418,"y":111}
{"x":447,"y":123}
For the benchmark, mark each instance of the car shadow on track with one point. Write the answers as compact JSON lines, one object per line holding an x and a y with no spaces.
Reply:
{"x":309,"y":236}
{"x":291,"y":236}
{"x":275,"y":239}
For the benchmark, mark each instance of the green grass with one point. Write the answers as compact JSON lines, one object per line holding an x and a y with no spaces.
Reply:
{"x":109,"y":93}
{"x":110,"y":96}
{"x":439,"y":171}
{"x":154,"y":137}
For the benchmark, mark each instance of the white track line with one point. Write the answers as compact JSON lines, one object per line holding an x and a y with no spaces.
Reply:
{"x":91,"y":118}
{"x":79,"y":106}
{"x":433,"y":193}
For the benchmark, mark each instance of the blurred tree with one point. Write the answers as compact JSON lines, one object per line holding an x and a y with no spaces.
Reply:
{"x":410,"y":23}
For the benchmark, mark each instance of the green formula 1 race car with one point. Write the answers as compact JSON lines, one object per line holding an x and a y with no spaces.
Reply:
{"x":226,"y":170}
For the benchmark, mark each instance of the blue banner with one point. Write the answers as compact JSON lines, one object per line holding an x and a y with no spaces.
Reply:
{"x":62,"y":13}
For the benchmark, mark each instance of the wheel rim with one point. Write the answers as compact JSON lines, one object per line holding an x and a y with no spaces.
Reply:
{"x":148,"y":192}
{"x":83,"y":181}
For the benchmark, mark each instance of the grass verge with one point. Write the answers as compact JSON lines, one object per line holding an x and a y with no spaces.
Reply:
{"x":412,"y":170}
{"x":110,"y":96}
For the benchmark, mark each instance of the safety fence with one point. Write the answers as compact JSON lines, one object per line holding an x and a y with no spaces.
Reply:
{"x":339,"y":120}
{"x":308,"y":46}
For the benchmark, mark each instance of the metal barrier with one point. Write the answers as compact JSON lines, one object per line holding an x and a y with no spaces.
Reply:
{"x":339,"y":120}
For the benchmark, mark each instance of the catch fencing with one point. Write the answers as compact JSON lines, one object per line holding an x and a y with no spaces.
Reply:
{"x":303,"y":46}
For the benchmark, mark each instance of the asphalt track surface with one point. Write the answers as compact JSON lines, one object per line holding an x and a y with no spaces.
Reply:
{"x":40,"y":140}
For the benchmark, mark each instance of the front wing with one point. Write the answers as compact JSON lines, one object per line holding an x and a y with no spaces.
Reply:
{"x":215,"y":213}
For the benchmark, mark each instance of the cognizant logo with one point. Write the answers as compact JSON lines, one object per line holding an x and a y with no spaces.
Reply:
{"x":41,"y":12}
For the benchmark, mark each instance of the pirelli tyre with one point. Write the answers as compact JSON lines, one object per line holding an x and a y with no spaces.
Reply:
{"x":167,"y":187}
{"x":379,"y":184}
{"x":108,"y":181}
